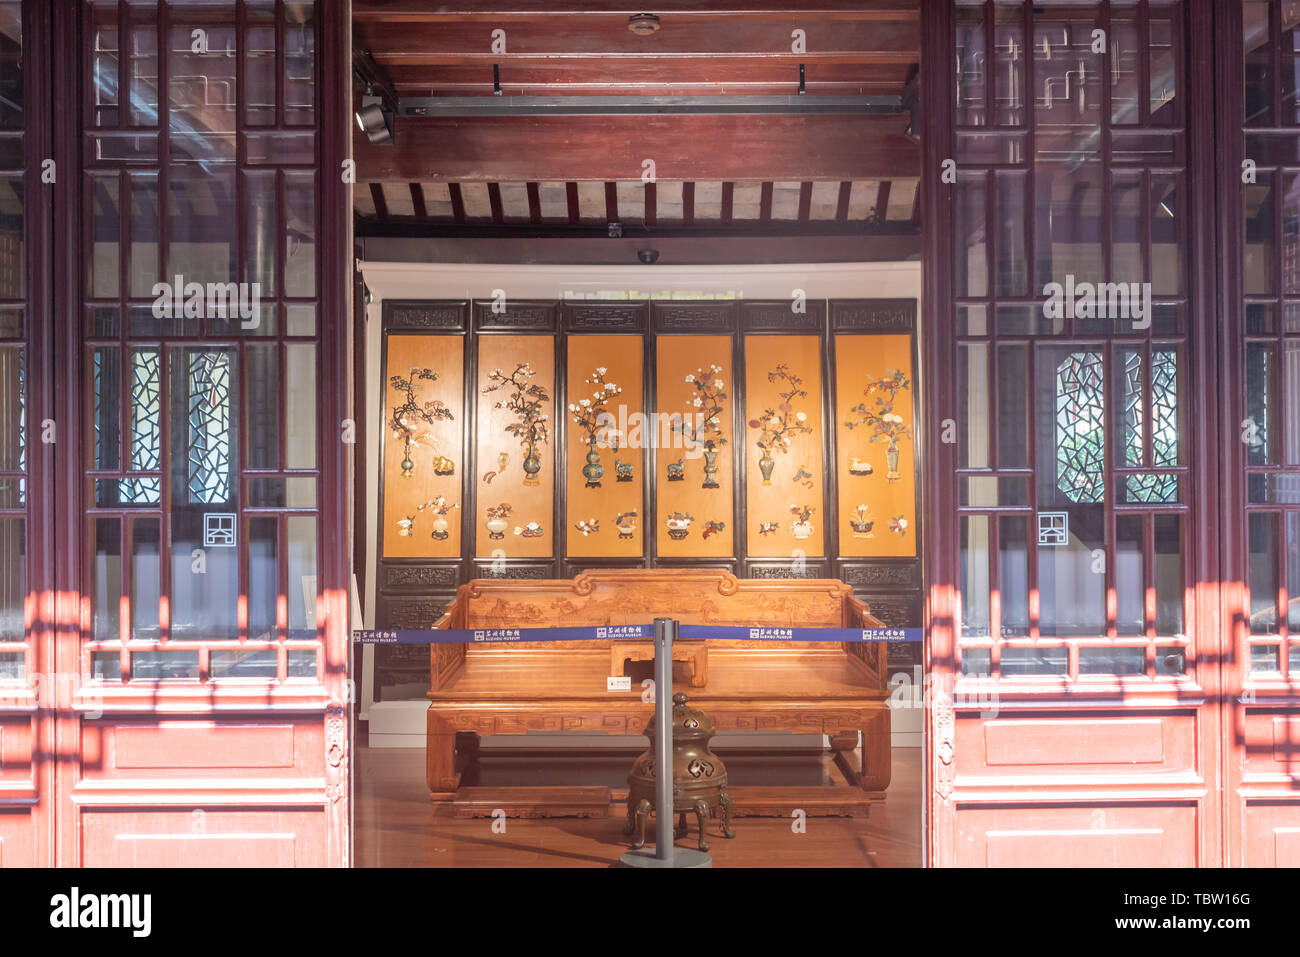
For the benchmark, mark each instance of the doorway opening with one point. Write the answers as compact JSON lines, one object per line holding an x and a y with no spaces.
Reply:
{"x":737,"y":293}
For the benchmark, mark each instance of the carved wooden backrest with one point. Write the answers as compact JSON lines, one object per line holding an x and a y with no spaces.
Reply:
{"x":638,"y":595}
{"x":628,"y":596}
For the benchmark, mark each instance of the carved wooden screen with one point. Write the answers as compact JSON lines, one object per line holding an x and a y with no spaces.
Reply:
{"x":1075,"y":653}
{"x":677,"y":476}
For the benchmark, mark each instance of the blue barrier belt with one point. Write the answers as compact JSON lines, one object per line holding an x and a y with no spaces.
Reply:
{"x":768,"y":633}
{"x":475,"y":636}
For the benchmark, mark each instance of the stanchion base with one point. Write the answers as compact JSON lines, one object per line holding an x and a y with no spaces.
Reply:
{"x":682,"y":857}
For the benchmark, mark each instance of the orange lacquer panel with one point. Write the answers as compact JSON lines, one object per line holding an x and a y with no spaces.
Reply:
{"x":797,"y":477}
{"x":886,"y":527}
{"x":598,"y":499}
{"x":678,"y":357}
{"x":441,"y":438}
{"x":498,"y":484}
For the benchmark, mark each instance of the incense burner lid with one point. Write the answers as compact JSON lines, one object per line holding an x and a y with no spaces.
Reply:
{"x":688,"y":723}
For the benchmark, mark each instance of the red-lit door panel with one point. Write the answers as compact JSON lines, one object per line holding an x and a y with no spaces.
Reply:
{"x":202,"y":594}
{"x":29,"y":681}
{"x":1073,"y":606}
{"x":1260,"y":454}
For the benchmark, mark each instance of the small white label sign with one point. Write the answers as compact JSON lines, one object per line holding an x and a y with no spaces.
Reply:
{"x":613,"y":683}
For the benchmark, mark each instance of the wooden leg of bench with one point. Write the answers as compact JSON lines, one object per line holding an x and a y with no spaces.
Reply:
{"x":440,"y":756}
{"x":877,"y":759}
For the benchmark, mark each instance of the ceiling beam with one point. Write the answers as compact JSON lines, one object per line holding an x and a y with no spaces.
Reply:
{"x":646,"y":105}
{"x":562,"y":38}
{"x":634,"y":230}
{"x":611,"y":148}
{"x":699,"y":75}
{"x":431,"y":11}
{"x":700,"y":250}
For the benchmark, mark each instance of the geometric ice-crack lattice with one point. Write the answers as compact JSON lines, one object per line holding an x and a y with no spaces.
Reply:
{"x":1080,"y":427}
{"x":1152,"y":488}
{"x":146,"y":429}
{"x":209,"y":428}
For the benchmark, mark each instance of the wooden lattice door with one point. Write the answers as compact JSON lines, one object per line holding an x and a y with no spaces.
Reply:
{"x":1073,"y":608}
{"x":200,"y":509}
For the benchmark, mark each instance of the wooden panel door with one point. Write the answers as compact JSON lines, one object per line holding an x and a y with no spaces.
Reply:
{"x":201,"y":513}
{"x":1260,"y":452}
{"x":1073,"y":557}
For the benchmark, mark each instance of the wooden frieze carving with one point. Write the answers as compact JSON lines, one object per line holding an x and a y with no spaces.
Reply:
{"x":505,"y":314}
{"x":873,"y":315}
{"x":606,"y":316}
{"x":897,"y":574}
{"x":411,"y":614}
{"x":782,"y":315}
{"x":425,"y":316}
{"x":694,"y":317}
{"x":420,"y":576}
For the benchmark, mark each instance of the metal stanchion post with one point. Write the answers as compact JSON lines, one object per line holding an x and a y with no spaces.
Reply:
{"x":665,"y":854}
{"x":664,"y":628}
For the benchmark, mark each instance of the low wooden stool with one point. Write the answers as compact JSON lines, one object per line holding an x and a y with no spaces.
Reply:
{"x":696,"y":653}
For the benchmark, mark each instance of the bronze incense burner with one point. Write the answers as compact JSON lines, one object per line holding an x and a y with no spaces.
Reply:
{"x":699,"y":777}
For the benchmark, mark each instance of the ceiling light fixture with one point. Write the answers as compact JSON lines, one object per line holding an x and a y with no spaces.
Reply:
{"x":373,"y":119}
{"x":643,"y":24}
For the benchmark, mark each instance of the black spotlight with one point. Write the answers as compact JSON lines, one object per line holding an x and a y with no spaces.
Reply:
{"x":648,"y":256}
{"x":374,"y":120}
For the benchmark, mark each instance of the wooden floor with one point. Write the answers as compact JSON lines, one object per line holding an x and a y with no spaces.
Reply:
{"x":396,"y":825}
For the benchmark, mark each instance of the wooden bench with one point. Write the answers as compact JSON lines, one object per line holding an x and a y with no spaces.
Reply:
{"x":836,"y":689}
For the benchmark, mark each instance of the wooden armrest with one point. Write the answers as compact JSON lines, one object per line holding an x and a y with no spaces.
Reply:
{"x":445,"y":659}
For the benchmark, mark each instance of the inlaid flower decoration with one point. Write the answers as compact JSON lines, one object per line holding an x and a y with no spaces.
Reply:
{"x":878,"y":416}
{"x":802,"y":526}
{"x":592,"y":416}
{"x":406,"y":416}
{"x":713,"y":527}
{"x":439,"y":507}
{"x":589,"y":526}
{"x":702,"y":428}
{"x":778,"y":425}
{"x":526,"y":400}
{"x":898,"y":525}
{"x":862,"y":522}
{"x":497,"y":519}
